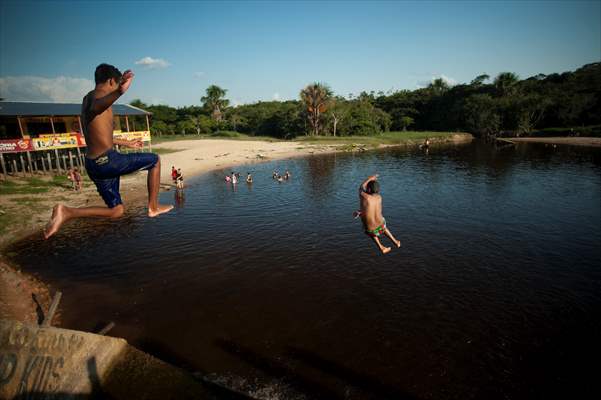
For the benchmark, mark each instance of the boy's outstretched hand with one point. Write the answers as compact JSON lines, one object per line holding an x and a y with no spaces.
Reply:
{"x":126,"y":79}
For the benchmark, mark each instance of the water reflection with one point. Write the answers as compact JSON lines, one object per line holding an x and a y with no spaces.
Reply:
{"x":179,"y":198}
{"x":497,"y":277}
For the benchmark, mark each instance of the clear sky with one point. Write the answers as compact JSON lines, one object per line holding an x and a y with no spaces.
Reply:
{"x":270,"y":50}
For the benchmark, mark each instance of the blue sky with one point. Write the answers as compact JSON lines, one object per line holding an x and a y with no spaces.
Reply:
{"x":270,"y":50}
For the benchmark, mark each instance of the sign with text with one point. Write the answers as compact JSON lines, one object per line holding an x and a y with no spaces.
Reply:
{"x":142,"y":135}
{"x":15,"y":145}
{"x":58,"y":141}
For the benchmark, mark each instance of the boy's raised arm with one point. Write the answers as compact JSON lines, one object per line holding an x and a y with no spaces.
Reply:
{"x":99,"y":105}
{"x":363,"y":187}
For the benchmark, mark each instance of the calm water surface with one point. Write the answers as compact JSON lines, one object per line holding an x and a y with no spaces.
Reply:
{"x":494,"y":294}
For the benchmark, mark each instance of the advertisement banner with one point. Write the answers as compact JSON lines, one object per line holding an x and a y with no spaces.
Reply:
{"x":58,"y":141}
{"x":143,"y":135}
{"x":15,"y":145}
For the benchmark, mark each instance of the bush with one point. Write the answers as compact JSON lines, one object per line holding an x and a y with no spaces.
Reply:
{"x":226,"y":134}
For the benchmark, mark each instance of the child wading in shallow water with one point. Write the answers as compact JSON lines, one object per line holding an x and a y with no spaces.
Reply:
{"x":371,"y":213}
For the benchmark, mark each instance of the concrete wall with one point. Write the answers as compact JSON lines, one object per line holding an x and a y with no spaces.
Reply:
{"x":55,"y":363}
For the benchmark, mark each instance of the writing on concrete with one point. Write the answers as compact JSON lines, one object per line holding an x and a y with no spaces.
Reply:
{"x":32,"y":359}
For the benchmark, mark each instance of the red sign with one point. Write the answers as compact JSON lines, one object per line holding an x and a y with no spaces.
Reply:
{"x":15,"y":145}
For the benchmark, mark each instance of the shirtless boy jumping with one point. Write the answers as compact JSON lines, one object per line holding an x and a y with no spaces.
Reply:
{"x":371,"y":212}
{"x":103,"y":164}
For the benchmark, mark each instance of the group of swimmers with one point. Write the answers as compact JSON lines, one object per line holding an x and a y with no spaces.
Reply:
{"x":281,"y":178}
{"x":105,"y":165}
{"x":234,"y":177}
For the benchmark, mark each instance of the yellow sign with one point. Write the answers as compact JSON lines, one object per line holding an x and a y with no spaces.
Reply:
{"x":59,"y":141}
{"x":142,"y":135}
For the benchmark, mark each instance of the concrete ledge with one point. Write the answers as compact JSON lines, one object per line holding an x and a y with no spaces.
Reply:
{"x":48,"y":362}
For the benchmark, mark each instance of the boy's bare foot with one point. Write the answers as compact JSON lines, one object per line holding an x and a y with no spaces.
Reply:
{"x":161,"y":209}
{"x":385,"y":250}
{"x":397,"y":242}
{"x":56,"y":220}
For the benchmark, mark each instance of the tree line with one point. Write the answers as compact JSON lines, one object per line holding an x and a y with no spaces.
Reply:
{"x":484,"y":107}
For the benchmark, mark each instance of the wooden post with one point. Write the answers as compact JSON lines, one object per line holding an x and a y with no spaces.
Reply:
{"x":65,"y":162}
{"x":49,"y":162}
{"x":107,"y":328}
{"x":80,"y":162}
{"x":127,"y":123}
{"x":43,"y":164}
{"x":30,"y":163}
{"x":15,"y":169}
{"x":148,"y":129}
{"x":58,"y":162}
{"x":23,"y":168}
{"x":20,"y":127}
{"x":52,"y":310}
{"x":4,"y":171}
{"x":52,"y":125}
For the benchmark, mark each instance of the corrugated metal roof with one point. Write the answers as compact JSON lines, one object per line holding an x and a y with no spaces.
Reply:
{"x":25,"y":109}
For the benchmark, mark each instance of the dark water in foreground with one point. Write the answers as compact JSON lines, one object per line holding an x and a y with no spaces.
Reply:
{"x":495,"y":293}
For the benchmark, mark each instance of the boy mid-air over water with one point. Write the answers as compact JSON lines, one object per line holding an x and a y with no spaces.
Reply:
{"x":103,"y":164}
{"x":370,"y":201}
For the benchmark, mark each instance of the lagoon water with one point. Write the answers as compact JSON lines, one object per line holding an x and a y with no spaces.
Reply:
{"x":274,"y":288}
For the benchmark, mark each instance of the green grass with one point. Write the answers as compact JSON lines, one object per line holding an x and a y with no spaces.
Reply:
{"x":8,"y":219}
{"x":228,"y":135}
{"x":165,"y":151}
{"x":384,"y":138}
{"x":34,"y":185}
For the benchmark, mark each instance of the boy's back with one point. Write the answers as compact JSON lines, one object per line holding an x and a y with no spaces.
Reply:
{"x":371,"y":210}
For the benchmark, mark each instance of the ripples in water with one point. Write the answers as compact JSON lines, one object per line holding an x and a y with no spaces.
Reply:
{"x":491,"y":296}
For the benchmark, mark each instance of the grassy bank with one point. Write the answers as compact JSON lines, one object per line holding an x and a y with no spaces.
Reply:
{"x":386,"y":138}
{"x":217,"y":135}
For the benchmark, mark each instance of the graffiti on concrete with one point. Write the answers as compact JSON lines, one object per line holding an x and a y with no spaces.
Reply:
{"x":31,"y":360}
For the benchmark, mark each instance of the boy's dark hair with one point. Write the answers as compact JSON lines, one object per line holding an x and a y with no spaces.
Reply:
{"x":373,"y":187}
{"x":104,"y":72}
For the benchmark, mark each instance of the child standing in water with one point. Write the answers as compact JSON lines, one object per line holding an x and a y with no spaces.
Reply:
{"x":370,"y":201}
{"x":179,"y":179}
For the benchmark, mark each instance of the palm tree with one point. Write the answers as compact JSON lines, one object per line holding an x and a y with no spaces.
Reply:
{"x":439,"y":86}
{"x":316,"y":97}
{"x":215,"y":102}
{"x":479,"y":80}
{"x":505,"y":83}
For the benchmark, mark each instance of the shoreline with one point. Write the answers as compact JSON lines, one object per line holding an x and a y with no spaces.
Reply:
{"x":570,"y":141}
{"x":195,"y":157}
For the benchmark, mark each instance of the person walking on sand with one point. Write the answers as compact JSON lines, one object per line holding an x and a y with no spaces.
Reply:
{"x":103,"y":164}
{"x":374,"y":223}
{"x":71,"y":177}
{"x":78,"y":180}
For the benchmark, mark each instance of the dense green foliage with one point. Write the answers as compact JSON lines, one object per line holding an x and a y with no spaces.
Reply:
{"x":566,"y":103}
